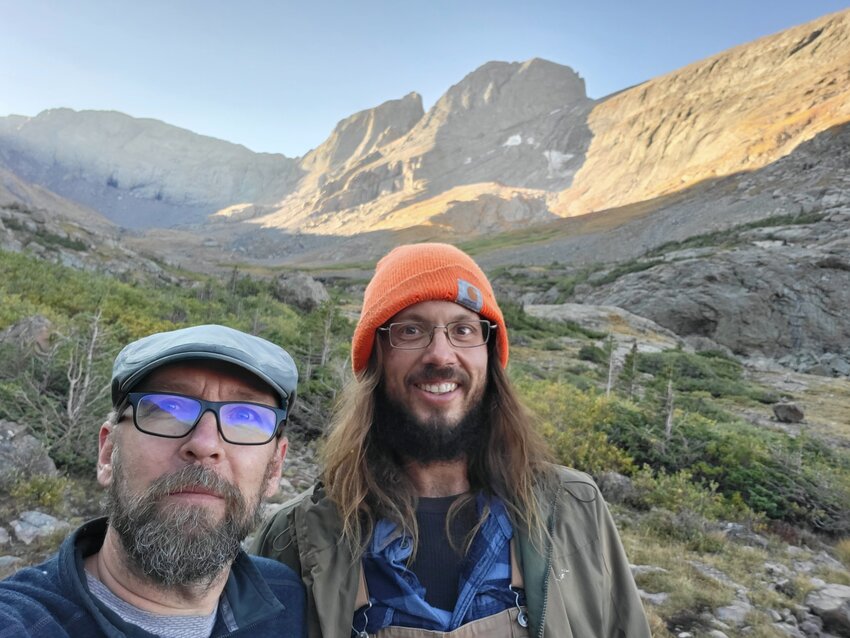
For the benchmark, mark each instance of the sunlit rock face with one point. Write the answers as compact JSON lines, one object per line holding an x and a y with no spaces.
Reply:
{"x":499,"y":142}
{"x":736,"y":111}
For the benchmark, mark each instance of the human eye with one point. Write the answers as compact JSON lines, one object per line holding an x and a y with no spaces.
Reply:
{"x":172,"y":403}
{"x":408,"y":331}
{"x":243,"y":413}
{"x":465,"y":330}
{"x":247,"y":415}
{"x":246,"y":422}
{"x":169,"y":405}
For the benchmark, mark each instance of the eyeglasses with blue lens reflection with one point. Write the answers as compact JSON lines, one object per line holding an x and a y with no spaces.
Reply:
{"x":174,"y":416}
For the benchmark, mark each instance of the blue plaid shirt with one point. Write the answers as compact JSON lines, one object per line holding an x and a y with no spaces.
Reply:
{"x":397,"y":598}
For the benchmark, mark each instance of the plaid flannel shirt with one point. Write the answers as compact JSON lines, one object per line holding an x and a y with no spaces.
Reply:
{"x":397,"y":599}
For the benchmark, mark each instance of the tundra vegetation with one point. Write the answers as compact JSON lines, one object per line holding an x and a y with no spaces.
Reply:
{"x":669,"y":421}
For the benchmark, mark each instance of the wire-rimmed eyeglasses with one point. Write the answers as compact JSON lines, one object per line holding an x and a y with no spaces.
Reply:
{"x":414,"y":335}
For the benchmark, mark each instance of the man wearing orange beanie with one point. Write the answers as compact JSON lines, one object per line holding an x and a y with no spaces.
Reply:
{"x":439,"y":511}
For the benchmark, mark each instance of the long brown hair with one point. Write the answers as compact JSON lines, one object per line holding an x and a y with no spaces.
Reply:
{"x":367,"y":483}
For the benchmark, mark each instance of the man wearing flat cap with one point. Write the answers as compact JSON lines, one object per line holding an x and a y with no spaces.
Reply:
{"x":193,"y":445}
{"x":439,"y":511}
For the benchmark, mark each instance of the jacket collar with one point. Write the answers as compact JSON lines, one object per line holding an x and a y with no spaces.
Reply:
{"x":248,"y":596}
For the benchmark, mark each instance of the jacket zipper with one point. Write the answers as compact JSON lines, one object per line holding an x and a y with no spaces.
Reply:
{"x":549,"y":551}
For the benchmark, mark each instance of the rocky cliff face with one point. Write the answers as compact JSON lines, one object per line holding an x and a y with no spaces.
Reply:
{"x":342,"y":173}
{"x":781,"y":292}
{"x":517,"y":124}
{"x":757,"y":262}
{"x":139,"y":172}
{"x":738,"y":110}
{"x":357,"y":138}
{"x":504,"y":125}
{"x":530,"y":126}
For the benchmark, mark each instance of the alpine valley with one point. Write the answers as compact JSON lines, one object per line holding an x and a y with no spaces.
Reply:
{"x":673,"y":261}
{"x":518,"y":165}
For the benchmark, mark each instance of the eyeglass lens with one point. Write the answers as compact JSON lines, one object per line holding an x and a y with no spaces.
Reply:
{"x":173,"y":415}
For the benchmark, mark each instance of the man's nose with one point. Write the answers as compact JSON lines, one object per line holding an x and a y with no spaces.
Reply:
{"x":204,"y":442}
{"x":440,"y":349}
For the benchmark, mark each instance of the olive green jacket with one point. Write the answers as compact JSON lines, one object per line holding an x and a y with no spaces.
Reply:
{"x":580,"y":586}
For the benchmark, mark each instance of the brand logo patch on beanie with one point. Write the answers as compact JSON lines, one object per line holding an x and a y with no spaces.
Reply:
{"x":469,"y":296}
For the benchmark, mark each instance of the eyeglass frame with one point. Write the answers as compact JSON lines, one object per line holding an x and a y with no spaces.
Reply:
{"x":484,"y":322}
{"x":281,"y":414}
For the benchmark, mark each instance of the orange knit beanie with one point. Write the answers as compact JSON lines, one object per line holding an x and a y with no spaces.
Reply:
{"x":410,"y":274}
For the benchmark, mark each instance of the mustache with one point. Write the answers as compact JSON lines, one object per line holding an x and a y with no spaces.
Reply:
{"x":192,"y":477}
{"x":431,"y":373}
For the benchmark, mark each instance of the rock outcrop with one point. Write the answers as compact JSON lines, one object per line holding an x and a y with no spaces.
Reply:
{"x":52,"y":236}
{"x":32,"y":525}
{"x":831,"y":603}
{"x":21,"y":194}
{"x":139,"y":172}
{"x":301,"y":290}
{"x":498,"y":141}
{"x":780,"y":291}
{"x":22,"y":456}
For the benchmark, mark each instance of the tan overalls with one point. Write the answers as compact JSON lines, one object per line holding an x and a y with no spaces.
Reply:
{"x":510,"y":623}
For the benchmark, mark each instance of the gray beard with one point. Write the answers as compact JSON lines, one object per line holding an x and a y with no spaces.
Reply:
{"x":174,"y":545}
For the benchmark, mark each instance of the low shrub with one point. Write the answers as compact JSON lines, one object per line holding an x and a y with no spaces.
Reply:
{"x":796,"y":480}
{"x":522,"y":325}
{"x":718,"y":376}
{"x":43,"y":492}
{"x":687,"y":527}
{"x":552,"y":344}
{"x":592,"y":353}
{"x":569,"y":420}
{"x":681,"y":492}
{"x":624,"y":269}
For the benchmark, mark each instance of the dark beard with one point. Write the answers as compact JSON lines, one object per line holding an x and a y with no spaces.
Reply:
{"x":174,"y":545}
{"x":400,"y":431}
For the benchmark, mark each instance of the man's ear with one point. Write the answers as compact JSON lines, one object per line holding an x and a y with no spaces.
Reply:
{"x":105,"y":448}
{"x":276,"y":465}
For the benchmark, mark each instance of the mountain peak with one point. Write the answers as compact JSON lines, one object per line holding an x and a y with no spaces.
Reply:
{"x":534,"y":86}
{"x":361,"y":134}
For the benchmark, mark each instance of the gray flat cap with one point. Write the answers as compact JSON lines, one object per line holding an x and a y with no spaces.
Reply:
{"x":262,"y":358}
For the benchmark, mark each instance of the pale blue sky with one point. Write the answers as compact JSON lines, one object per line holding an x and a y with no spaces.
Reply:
{"x":277,"y":76}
